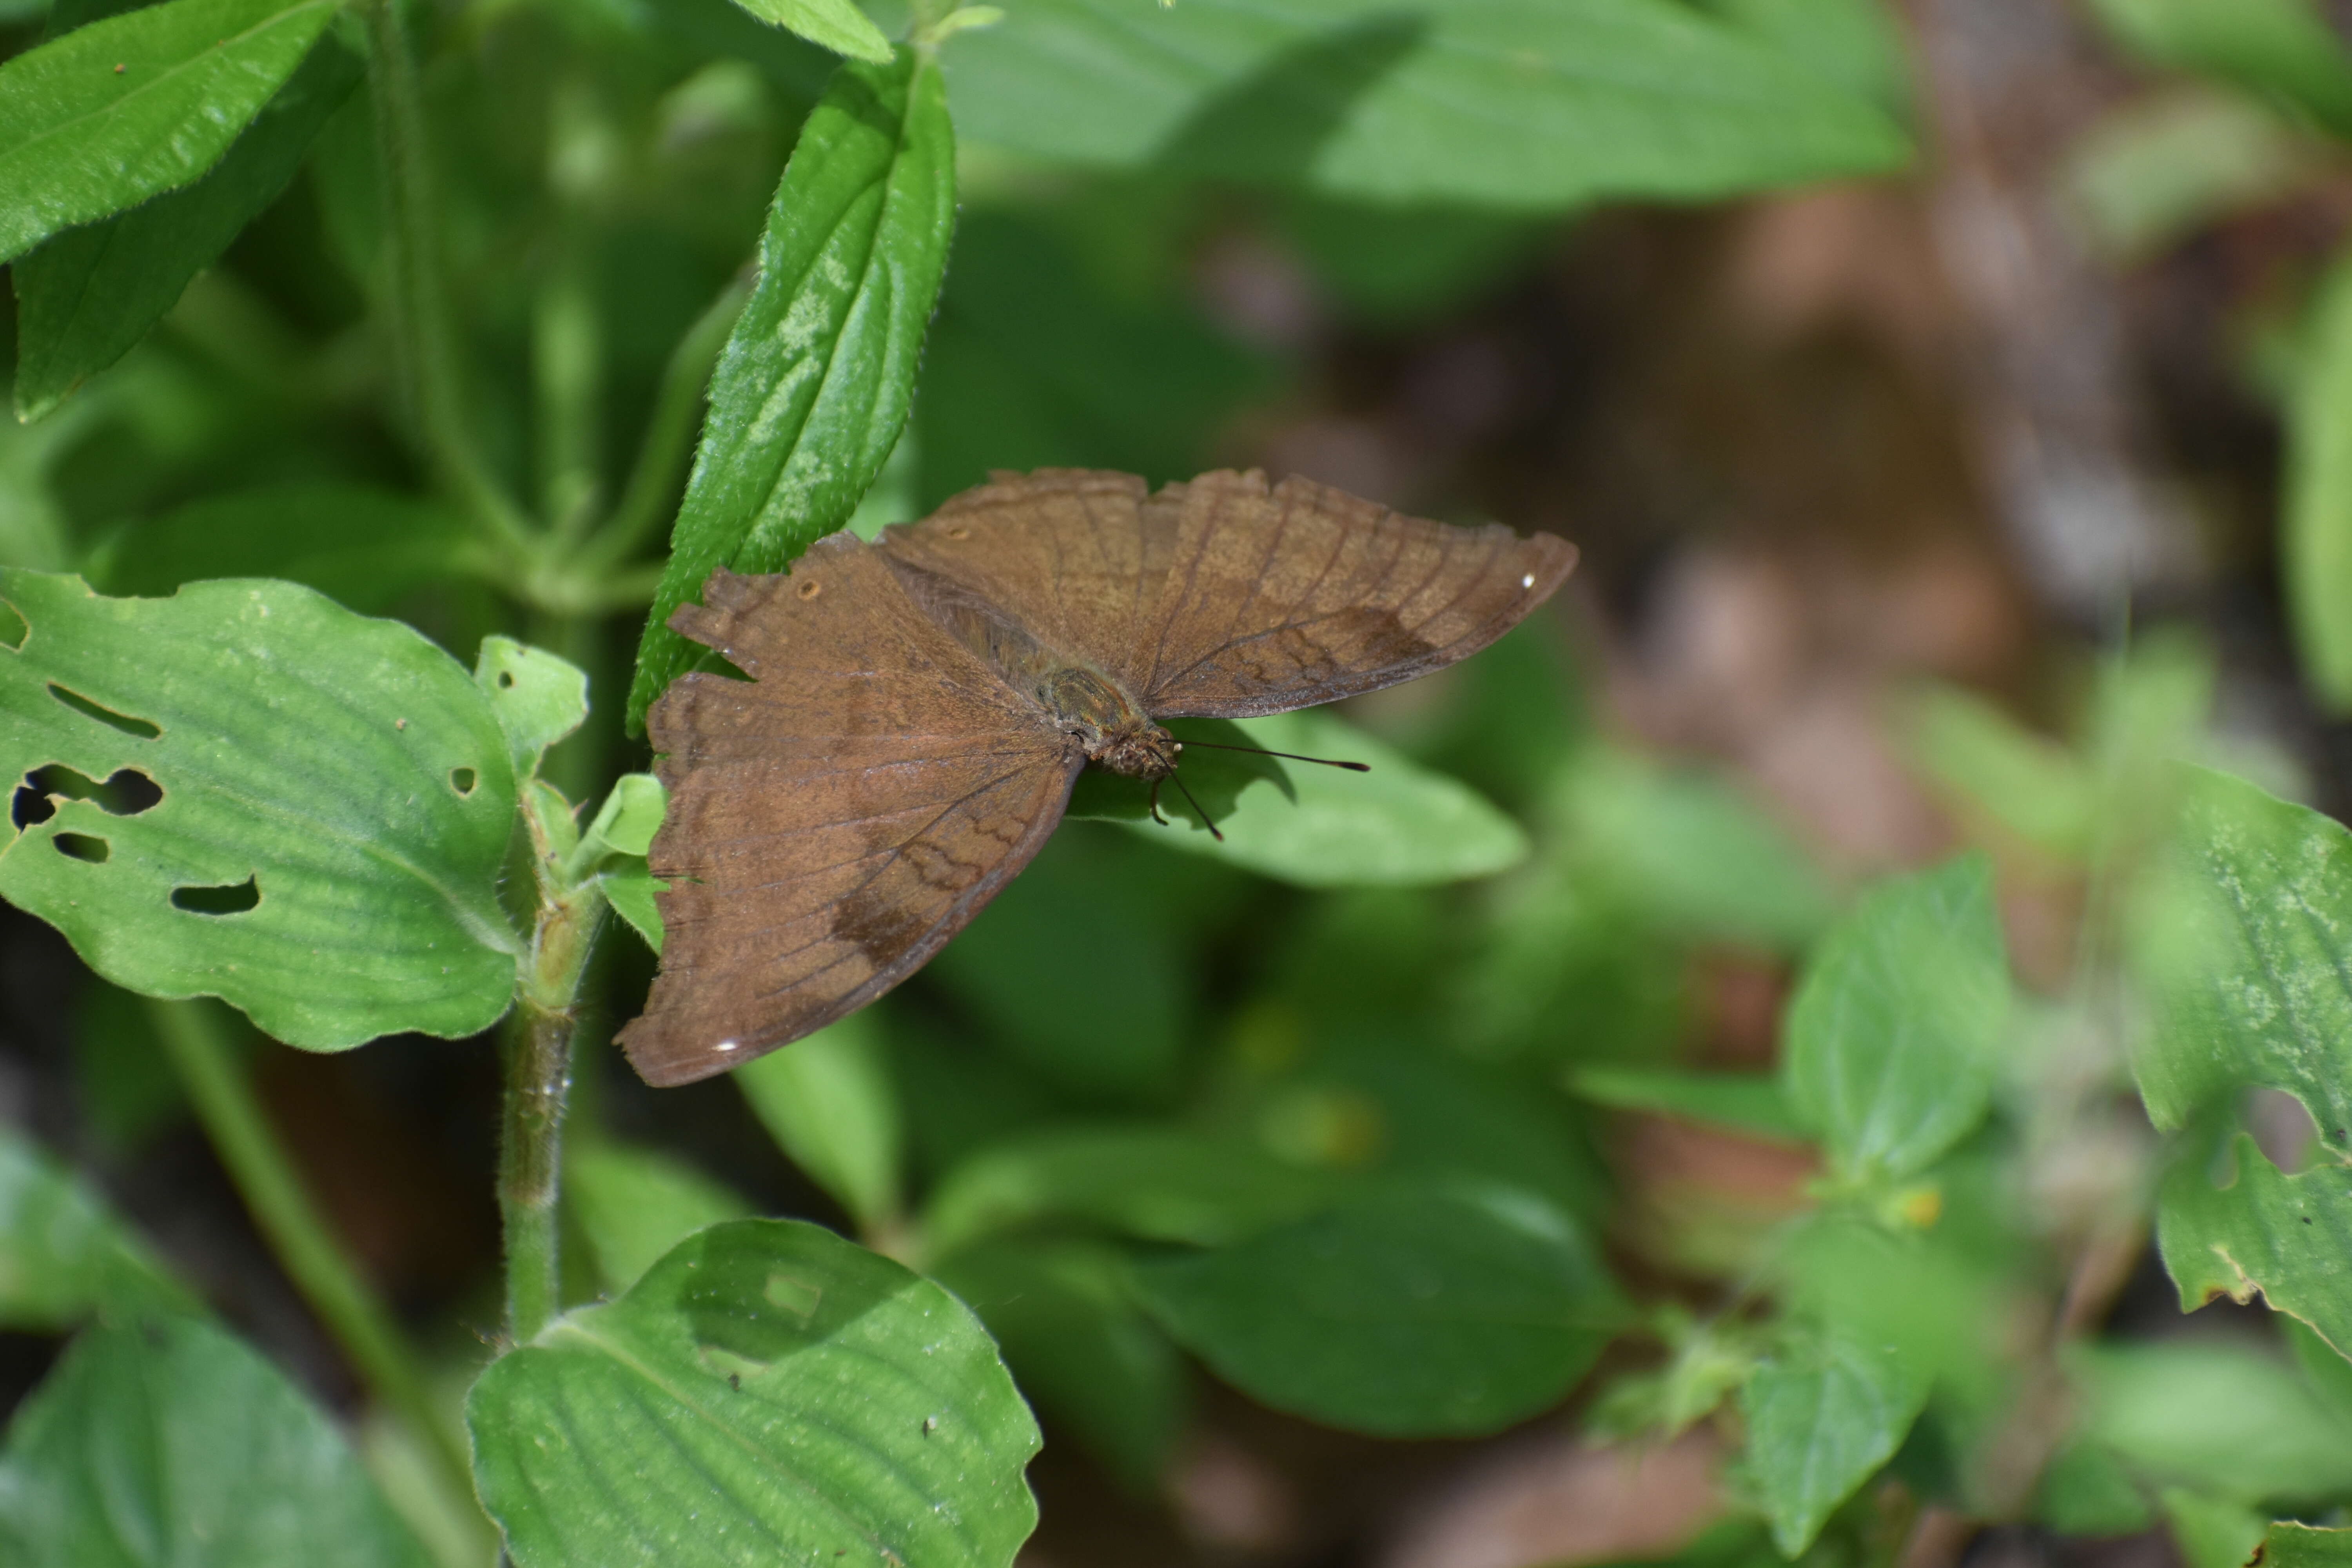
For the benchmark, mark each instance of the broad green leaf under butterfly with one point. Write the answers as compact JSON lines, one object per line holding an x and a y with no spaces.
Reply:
{"x":811,"y":393}
{"x":62,"y":1254}
{"x":1893,"y":1033}
{"x":172,"y":1442}
{"x":2246,"y":944}
{"x":767,"y":1392}
{"x":1398,"y":825}
{"x":134,"y":105}
{"x":2236,"y":1225}
{"x":1417,"y":1308}
{"x":335,"y":802}
{"x":1510,"y":103}
{"x":86,"y":297}
{"x":1823,"y":1414}
{"x":2315,"y":540}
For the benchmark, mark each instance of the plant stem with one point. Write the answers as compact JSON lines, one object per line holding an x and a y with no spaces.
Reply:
{"x":424,"y":346}
{"x":669,"y":434}
{"x":539,"y":1077}
{"x":315,"y":1262}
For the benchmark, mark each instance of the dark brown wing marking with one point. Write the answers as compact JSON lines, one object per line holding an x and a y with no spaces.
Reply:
{"x":831,"y":825}
{"x":1282,"y":599}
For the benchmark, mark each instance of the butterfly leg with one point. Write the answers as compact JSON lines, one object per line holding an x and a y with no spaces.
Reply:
{"x":1155,"y":804}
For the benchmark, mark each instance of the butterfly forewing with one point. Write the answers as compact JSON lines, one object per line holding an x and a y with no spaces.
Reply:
{"x":832,"y":822}
{"x":1282,"y":599}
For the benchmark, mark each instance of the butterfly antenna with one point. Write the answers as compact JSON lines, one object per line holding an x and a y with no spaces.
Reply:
{"x":1287,"y":756}
{"x":1196,"y":808}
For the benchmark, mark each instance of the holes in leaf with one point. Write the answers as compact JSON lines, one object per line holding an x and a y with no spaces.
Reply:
{"x":505,"y":679}
{"x":232,"y":899}
{"x":82,"y":846}
{"x":462,"y":780}
{"x":107,"y":716}
{"x":126,"y":791}
{"x":12,"y":628}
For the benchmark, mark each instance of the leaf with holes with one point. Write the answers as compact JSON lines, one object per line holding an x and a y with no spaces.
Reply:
{"x":537,"y":697}
{"x":2230,"y":1223}
{"x":768,"y":1393}
{"x":246,"y":791}
{"x":2246,"y":944}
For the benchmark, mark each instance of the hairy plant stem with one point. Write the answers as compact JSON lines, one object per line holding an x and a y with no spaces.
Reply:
{"x":424,"y":343}
{"x":306,"y":1248}
{"x":538,"y":1079}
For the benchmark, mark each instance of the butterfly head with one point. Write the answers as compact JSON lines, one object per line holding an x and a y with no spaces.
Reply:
{"x":1139,"y":750}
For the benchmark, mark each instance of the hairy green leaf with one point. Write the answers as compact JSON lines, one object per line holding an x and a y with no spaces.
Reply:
{"x":2315,"y":543}
{"x":1080,"y":1346}
{"x":2246,"y":944}
{"x":1414,"y":1310}
{"x":2249,"y":1226}
{"x":134,"y":105}
{"x":172,"y":1442}
{"x":84,"y":297}
{"x":835,"y":24}
{"x":633,"y":1204}
{"x":830,"y":1104}
{"x":257,"y":796}
{"x":1511,"y":104}
{"x":63,"y":1254}
{"x":1158,"y":1183}
{"x":768,"y":1391}
{"x":1823,"y":1414}
{"x":1893,"y":1033}
{"x":812,"y":388}
{"x":630,"y":890}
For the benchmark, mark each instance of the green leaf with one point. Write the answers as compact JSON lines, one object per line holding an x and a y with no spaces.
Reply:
{"x":84,"y":297}
{"x":835,"y":24}
{"x":1753,"y":1104}
{"x":1158,"y":1183}
{"x":2315,"y":546}
{"x":2250,"y":1226}
{"x":1398,"y":825}
{"x":2154,"y":172}
{"x":632,"y":813}
{"x":630,"y":890}
{"x":63,"y":1254}
{"x":2033,"y":786}
{"x":767,"y":1392}
{"x":830,"y":1103}
{"x":363,"y":548}
{"x":2211,"y":1532}
{"x":2242,"y":943}
{"x":1079,"y":1346}
{"x":538,"y":699}
{"x":2287,"y":1545}
{"x":1823,"y":1416}
{"x":2282,"y":50}
{"x":336,"y":801}
{"x":130,"y":107}
{"x":812,"y":387}
{"x":1689,"y":852}
{"x":1892,"y":1032}
{"x":633,"y":1204}
{"x":1851,"y":44}
{"x":1508,"y":104}
{"x":2229,"y":1420}
{"x":173,"y":1442}
{"x":1415,"y":1310}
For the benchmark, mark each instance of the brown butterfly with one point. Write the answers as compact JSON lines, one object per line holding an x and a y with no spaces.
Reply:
{"x":920,"y":707}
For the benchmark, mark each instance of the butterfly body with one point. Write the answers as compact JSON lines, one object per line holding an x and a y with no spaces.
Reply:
{"x":920,"y":707}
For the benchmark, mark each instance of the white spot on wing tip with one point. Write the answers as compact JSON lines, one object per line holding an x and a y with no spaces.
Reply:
{"x":724,"y":1045}
{"x":1529,"y":581}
